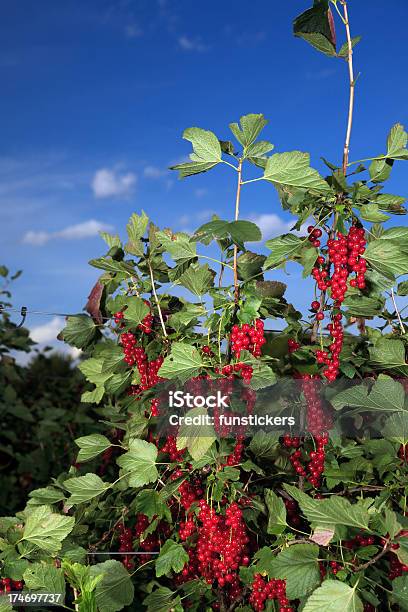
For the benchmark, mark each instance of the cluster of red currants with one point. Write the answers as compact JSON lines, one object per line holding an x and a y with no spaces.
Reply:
{"x":315,"y":467}
{"x":7,"y":585}
{"x":126,"y":545}
{"x":314,"y":234}
{"x":175,"y":455}
{"x":359,"y":541}
{"x":248,"y":338}
{"x":263,"y":589}
{"x":396,"y":568}
{"x":243,"y":368}
{"x":222,"y":547}
{"x":332,"y":359}
{"x":292,"y":512}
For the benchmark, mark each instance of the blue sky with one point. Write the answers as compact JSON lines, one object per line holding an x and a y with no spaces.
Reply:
{"x":96,"y":94}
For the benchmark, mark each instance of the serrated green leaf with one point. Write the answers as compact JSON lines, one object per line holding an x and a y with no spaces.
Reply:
{"x":150,"y":503}
{"x":316,"y":27}
{"x":80,"y":331}
{"x":136,"y":310}
{"x":197,"y":279}
{"x":198,"y":436}
{"x":299,"y":566}
{"x":140,"y":463}
{"x":46,"y":529}
{"x":386,"y":395}
{"x":332,"y":511}
{"x":136,"y":229}
{"x":180,"y":246}
{"x":44,"y":578}
{"x":249,"y":129}
{"x":91,"y":446}
{"x":277,"y":513}
{"x":334,"y":596}
{"x":206,"y":155}
{"x":283,"y":248}
{"x":85,"y":488}
{"x":183,"y":362}
{"x":115,"y":590}
{"x":172,"y":557}
{"x":389,"y":354}
{"x":293,"y":169}
{"x":371,"y":213}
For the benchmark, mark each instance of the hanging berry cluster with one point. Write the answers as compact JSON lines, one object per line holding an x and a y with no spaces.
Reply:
{"x":249,"y":338}
{"x":221,"y":548}
{"x":264,"y":590}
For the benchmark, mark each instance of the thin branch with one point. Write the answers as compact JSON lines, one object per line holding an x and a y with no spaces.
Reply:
{"x":352,"y":87}
{"x":401,"y":324}
{"x":373,"y":560}
{"x":236,"y":217}
{"x":157,"y":300}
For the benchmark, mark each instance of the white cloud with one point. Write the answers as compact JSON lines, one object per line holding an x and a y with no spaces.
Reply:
{"x":108,"y":183}
{"x":272,"y":225}
{"x":87,"y":229}
{"x":191,"y":44}
{"x":153,"y":172}
{"x":47,"y":332}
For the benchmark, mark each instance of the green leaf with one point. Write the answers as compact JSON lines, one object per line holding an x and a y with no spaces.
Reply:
{"x":389,"y":354}
{"x":332,"y":511}
{"x":183,"y":362}
{"x":386,"y":395}
{"x":248,"y":131}
{"x":362,"y":306}
{"x":387,"y":256}
{"x":244,"y":231}
{"x":197,"y":279}
{"x":198,"y":436}
{"x":44,"y":578}
{"x":80,"y":331}
{"x":277,"y":513}
{"x":110,"y":239}
{"x":402,"y":288}
{"x":390,"y":203}
{"x":262,"y":375}
{"x":136,"y":229}
{"x":140,"y":462}
{"x":400,"y":591}
{"x":293,"y":170}
{"x":46,"y":496}
{"x":299,"y":566}
{"x":264,"y":444}
{"x":46,"y":529}
{"x":180,"y":246}
{"x":344,"y":49}
{"x":172,"y":557}
{"x":316,"y":27}
{"x":115,"y":590}
{"x":396,"y":428}
{"x":136,"y":310}
{"x":162,"y":600}
{"x":85,"y":488}
{"x":250,"y":265}
{"x":150,"y":503}
{"x":396,"y":141}
{"x":334,"y":596}
{"x":207,"y":152}
{"x":371,"y":213}
{"x":91,"y":446}
{"x":283,"y":248}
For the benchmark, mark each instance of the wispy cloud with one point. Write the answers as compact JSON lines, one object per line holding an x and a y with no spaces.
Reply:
{"x":47,"y":332}
{"x":192,"y":44}
{"x":87,"y":229}
{"x":200,"y":193}
{"x":272,"y":225}
{"x":108,"y":183}
{"x":153,"y":172}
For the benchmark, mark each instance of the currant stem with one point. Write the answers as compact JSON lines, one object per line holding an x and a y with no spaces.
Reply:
{"x":352,"y":87}
{"x":236,"y":217}
{"x":157,"y":300}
